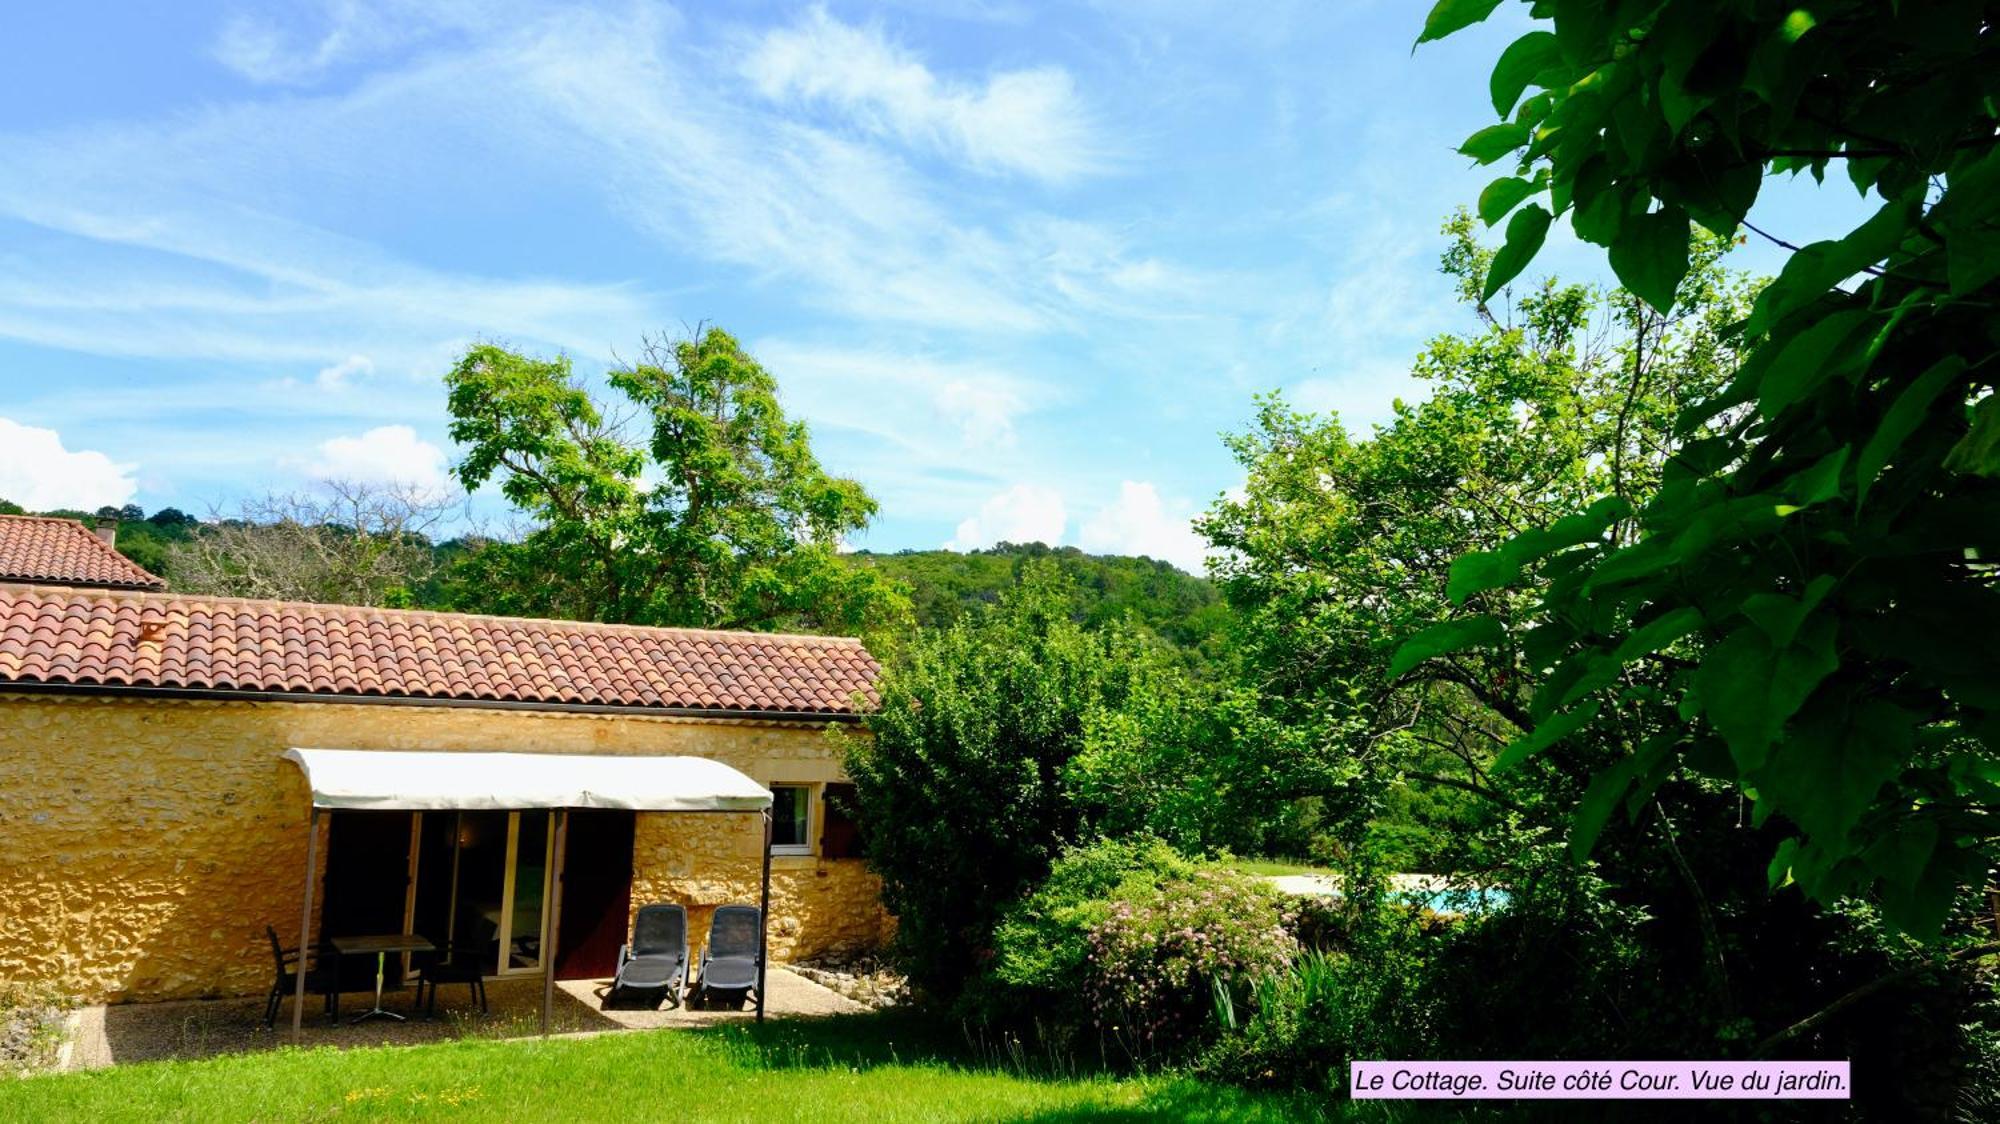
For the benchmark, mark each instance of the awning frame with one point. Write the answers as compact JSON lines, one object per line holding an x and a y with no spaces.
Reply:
{"x":348,"y":789}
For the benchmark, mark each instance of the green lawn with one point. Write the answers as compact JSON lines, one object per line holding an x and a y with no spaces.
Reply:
{"x":866,"y":1067}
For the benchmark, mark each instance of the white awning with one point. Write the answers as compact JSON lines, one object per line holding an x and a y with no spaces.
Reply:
{"x":402,"y":780}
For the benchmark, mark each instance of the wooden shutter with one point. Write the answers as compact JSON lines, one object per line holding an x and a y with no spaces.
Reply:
{"x":840,"y":835}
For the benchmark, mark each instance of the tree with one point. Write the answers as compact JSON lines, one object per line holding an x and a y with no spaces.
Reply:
{"x":1821,"y":544}
{"x":1340,"y":544}
{"x":1344,"y":545}
{"x":699,"y":505}
{"x":1021,"y":725}
{"x":347,"y":543}
{"x":976,"y":724}
{"x":1105,"y":590}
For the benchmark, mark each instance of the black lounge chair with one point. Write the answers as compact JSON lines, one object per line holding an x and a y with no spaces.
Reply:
{"x":461,"y":963}
{"x":657,"y":958}
{"x":322,"y":978}
{"x":729,"y":963}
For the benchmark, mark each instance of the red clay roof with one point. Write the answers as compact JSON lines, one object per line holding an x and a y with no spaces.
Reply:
{"x":36,"y":548}
{"x":160,"y":640}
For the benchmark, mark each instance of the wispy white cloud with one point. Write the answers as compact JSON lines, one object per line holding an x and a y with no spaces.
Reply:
{"x":120,"y":274}
{"x":337,"y":376}
{"x":1023,"y":513}
{"x":1030,"y":122}
{"x":926,"y":205}
{"x":607,"y":103}
{"x":301,"y":44}
{"x":38,"y":473}
{"x":915,"y":400}
{"x":258,"y":49}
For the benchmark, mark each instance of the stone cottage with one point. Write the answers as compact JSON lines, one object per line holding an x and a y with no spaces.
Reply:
{"x":152,"y":827}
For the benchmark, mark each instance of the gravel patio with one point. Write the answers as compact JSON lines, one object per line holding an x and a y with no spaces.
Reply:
{"x":118,"y":1034}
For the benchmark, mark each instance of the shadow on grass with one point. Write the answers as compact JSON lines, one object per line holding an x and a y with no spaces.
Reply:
{"x":889,"y":1038}
{"x":903,"y":1038}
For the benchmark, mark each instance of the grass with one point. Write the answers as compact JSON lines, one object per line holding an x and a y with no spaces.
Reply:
{"x":889,"y":1066}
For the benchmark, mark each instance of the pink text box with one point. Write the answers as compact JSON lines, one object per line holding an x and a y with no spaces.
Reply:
{"x":1552,"y":1080}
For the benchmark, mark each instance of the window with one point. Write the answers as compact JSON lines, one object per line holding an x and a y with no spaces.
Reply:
{"x":791,"y":819}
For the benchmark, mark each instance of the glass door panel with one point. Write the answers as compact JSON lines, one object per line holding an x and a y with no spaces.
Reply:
{"x":527,"y":891}
{"x":480,"y":894}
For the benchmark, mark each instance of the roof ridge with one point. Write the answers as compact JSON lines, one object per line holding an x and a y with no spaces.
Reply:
{"x":558,"y":622}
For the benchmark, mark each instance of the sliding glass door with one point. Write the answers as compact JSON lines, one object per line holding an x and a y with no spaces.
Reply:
{"x":482,"y":881}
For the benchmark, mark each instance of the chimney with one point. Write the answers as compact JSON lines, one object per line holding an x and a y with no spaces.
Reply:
{"x":107,"y":529}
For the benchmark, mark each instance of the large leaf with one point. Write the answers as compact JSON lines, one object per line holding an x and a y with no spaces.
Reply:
{"x":1643,"y":559}
{"x":1571,"y":530}
{"x":1545,"y":734}
{"x":1780,"y":616}
{"x":1978,"y":452}
{"x":1443,"y":639}
{"x":1749,"y":687}
{"x":1903,"y":418}
{"x":1972,"y":258}
{"x":1494,"y":141}
{"x":1454,"y":15}
{"x":1810,"y":272}
{"x":1606,"y":788}
{"x":1809,"y":358}
{"x":1921,"y":873}
{"x":1820,"y":482}
{"x":1825,"y":773}
{"x":1477,"y":571}
{"x":1658,"y":633}
{"x":1967,"y":211}
{"x":1601,"y":208}
{"x":1650,"y":255}
{"x":1502,"y":196}
{"x":1519,"y":63}
{"x":1525,"y":232}
{"x":1480,"y":570}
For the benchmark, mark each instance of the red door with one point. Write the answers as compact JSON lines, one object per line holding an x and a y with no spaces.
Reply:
{"x":596,"y":894}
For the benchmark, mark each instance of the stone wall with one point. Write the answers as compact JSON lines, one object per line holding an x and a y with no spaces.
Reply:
{"x":145,"y":844}
{"x":817,"y":905}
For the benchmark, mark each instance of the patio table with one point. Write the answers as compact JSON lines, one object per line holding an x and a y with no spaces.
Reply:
{"x":381,"y":944}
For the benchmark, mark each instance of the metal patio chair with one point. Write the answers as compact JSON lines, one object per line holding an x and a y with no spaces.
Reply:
{"x":322,"y":978}
{"x":461,"y":963}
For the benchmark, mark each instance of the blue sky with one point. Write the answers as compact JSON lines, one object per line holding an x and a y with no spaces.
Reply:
{"x":1017,"y":264}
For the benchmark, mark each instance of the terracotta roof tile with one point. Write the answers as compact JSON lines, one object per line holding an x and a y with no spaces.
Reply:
{"x":113,"y":636}
{"x":35,"y":548}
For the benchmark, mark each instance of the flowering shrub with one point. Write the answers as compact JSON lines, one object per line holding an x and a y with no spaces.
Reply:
{"x":1130,"y":939}
{"x":1041,"y":965}
{"x":1167,"y":953}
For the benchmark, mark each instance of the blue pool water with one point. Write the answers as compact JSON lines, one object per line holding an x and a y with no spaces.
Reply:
{"x":1455,"y":901}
